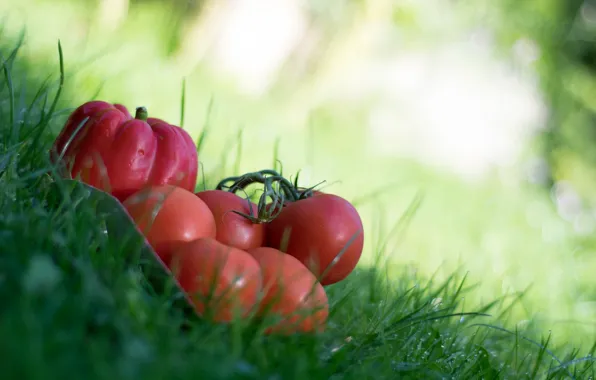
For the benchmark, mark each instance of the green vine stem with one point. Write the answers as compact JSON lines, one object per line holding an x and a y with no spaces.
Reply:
{"x":248,"y":178}
{"x":266,"y":177}
{"x":286,"y":191}
{"x":307,"y":192}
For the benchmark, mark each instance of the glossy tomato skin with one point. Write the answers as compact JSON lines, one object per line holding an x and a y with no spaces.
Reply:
{"x":179,"y":217}
{"x":233,"y":229}
{"x":319,"y":229}
{"x":219,"y":280}
{"x":292,"y":292}
{"x":120,"y":154}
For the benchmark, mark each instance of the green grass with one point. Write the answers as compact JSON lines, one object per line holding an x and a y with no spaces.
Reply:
{"x":505,"y":234}
{"x":75,"y":303}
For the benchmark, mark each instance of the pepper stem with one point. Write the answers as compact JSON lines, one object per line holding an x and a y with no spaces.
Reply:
{"x":141,"y":114}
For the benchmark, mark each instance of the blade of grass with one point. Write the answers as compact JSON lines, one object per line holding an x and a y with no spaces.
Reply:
{"x":543,"y":348}
{"x":385,"y":189}
{"x":206,"y":127}
{"x":238,"y":161}
{"x":60,"y":83}
{"x":276,"y":162}
{"x":182,"y":102}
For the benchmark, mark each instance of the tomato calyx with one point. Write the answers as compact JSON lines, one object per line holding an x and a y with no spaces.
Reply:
{"x":266,"y":211}
{"x":277,"y":192}
{"x":264,"y":215}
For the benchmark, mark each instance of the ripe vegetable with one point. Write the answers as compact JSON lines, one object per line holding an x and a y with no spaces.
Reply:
{"x":169,"y":215}
{"x":222,"y":281}
{"x":324,"y":232}
{"x":233,"y":229}
{"x":119,"y":154}
{"x":291,"y":291}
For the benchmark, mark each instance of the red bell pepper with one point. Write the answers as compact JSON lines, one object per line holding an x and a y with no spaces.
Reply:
{"x":119,"y":154}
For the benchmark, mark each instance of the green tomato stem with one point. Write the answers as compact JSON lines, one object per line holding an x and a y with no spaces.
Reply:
{"x":141,"y":114}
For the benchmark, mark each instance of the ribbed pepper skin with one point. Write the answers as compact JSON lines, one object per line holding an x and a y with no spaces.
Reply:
{"x":121,"y":154}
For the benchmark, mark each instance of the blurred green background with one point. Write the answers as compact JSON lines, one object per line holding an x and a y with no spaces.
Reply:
{"x":486,"y":108}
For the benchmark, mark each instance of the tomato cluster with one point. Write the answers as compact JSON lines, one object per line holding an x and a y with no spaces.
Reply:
{"x":231,"y":256}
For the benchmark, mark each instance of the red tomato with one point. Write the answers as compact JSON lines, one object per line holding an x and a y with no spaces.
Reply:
{"x":290,"y":291}
{"x":220,"y":280}
{"x":233,"y":229}
{"x":179,"y":217}
{"x":316,"y":231}
{"x":119,"y":154}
